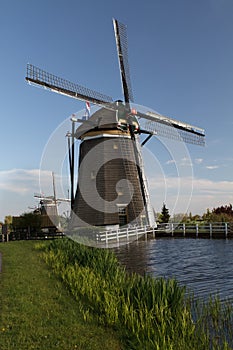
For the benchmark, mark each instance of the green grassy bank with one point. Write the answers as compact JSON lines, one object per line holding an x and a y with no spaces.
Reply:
{"x":37,"y":311}
{"x":52,"y":298}
{"x":148,"y":313}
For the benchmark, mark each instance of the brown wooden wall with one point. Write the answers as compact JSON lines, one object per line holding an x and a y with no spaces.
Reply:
{"x":110,"y":152}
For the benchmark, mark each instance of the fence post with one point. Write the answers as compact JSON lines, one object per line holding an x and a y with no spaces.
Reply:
{"x":226,"y":229}
{"x":172,"y":225}
{"x":197,"y":230}
{"x":137,"y":232}
{"x":211,"y":230}
{"x":145,"y":232}
{"x":106,"y":237}
{"x":117,"y":235}
{"x":184,"y":230}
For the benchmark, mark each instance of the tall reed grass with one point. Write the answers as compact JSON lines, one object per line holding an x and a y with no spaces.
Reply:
{"x":148,"y":313}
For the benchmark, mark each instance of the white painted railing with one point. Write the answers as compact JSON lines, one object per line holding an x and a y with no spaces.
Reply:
{"x":172,"y":229}
{"x":122,"y":234}
{"x":223,"y":228}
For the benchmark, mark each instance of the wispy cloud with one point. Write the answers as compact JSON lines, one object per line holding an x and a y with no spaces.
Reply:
{"x":200,"y":186}
{"x":181,"y":162}
{"x":198,"y":160}
{"x":186,"y":162}
{"x":212,"y":167}
{"x":22,"y":181}
{"x":189,"y":194}
{"x":171,"y":161}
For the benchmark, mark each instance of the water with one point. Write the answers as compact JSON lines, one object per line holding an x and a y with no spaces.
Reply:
{"x":204,"y":266}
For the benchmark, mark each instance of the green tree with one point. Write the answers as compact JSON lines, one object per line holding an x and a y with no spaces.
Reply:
{"x":164,"y":216}
{"x":220,"y":214}
{"x":28,"y":220}
{"x":8,"y":220}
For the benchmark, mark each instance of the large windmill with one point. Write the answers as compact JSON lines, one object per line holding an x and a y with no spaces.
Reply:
{"x":112,"y":188}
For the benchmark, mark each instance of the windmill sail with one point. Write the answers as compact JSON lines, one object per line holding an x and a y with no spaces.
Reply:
{"x":49,"y":81}
{"x":171,"y":128}
{"x":113,"y":130}
{"x":122,"y":50}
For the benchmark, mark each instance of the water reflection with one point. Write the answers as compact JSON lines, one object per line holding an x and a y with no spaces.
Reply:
{"x":203,"y":265}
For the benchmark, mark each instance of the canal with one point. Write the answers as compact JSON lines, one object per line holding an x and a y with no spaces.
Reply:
{"x":204,"y":266}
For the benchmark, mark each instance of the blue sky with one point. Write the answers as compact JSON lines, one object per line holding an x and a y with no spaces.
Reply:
{"x":181,"y":61}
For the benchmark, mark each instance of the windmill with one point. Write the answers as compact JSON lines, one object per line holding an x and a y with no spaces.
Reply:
{"x":112,"y":189}
{"x":48,"y":207}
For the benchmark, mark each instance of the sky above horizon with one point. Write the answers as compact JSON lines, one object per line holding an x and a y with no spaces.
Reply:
{"x":181,"y":65}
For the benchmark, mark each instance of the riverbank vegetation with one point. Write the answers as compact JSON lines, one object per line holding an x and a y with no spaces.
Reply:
{"x":84,"y":299}
{"x":148,"y":313}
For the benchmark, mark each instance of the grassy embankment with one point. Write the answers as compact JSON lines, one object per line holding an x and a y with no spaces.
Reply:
{"x":147,"y":313}
{"x":37,"y":311}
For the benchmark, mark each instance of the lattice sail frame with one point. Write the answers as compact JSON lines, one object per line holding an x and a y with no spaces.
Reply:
{"x":122,"y":50}
{"x":40,"y":77}
{"x":171,"y":128}
{"x":150,"y":122}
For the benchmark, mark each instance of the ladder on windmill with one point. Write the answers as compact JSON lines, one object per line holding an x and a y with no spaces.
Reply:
{"x":148,"y":206}
{"x":128,"y":155}
{"x":128,"y":151}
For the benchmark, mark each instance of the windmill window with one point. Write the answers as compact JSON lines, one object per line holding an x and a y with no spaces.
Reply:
{"x":122,"y":214}
{"x":115,"y":146}
{"x":122,"y":211}
{"x":120,"y":191}
{"x":93,"y":175}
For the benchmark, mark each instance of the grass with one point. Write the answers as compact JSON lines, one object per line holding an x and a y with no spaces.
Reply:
{"x":58,"y":307}
{"x":37,"y":311}
{"x":149,"y":313}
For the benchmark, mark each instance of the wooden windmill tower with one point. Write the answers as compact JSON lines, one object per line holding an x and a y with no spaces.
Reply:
{"x":112,"y":188}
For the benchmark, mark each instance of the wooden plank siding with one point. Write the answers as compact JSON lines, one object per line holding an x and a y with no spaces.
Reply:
{"x":116,"y":155}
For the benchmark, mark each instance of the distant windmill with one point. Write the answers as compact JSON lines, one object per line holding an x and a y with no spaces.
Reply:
{"x":48,"y":206}
{"x":110,"y":150}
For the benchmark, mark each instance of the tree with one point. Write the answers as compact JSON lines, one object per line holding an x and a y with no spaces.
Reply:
{"x":164,"y":216}
{"x":8,"y":220}
{"x":227,"y":209}
{"x":219,"y":214}
{"x":27,"y":220}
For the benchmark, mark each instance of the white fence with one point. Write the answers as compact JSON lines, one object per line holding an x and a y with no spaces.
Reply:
{"x":122,"y":235}
{"x":223,"y":229}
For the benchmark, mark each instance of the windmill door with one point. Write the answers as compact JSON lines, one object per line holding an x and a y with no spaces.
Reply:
{"x":123,"y":215}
